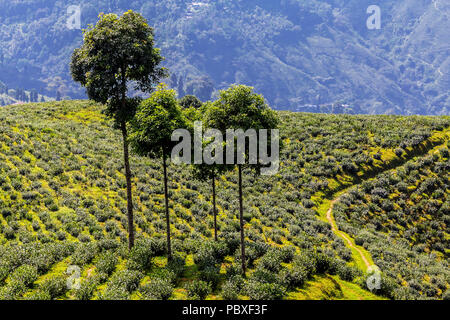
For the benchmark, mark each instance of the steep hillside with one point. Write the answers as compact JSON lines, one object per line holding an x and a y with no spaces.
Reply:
{"x":299,"y":54}
{"x":403,"y":219}
{"x":63,"y":203}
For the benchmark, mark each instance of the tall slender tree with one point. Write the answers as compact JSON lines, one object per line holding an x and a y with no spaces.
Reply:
{"x":151,"y":134}
{"x":239,"y":107}
{"x":210,"y":173}
{"x":117,"y":52}
{"x":194,"y":110}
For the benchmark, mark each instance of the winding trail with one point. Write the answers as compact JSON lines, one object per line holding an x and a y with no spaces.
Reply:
{"x":347,"y":239}
{"x":363,"y":256}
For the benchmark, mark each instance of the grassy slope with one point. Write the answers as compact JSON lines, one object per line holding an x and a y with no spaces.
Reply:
{"x":426,"y":220}
{"x":79,"y":135}
{"x":387,"y":162}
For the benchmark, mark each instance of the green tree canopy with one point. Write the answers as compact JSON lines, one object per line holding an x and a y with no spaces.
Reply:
{"x":239,"y":107}
{"x":117,"y":51}
{"x":190,"y":101}
{"x":155,"y":120}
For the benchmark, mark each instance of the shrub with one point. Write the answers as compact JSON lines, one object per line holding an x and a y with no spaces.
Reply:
{"x":84,"y":254}
{"x":85,"y":238}
{"x":141,"y":255}
{"x":114,"y":292}
{"x":292,"y":278}
{"x":233,"y":270}
{"x":55,"y":286}
{"x":263,"y":275}
{"x":264,"y":291}
{"x":287,"y":254}
{"x":230,"y":291}
{"x":346,"y":272}
{"x":271,"y":260}
{"x":210,"y":275}
{"x":39,"y":295}
{"x":198,"y":290}
{"x":108,"y":244}
{"x":127,"y":279}
{"x":209,"y":254}
{"x":323,"y":263}
{"x":87,"y":288}
{"x":176,"y":265}
{"x":399,"y":152}
{"x":205,"y":259}
{"x":446,"y":295}
{"x":157,"y":289}
{"x":349,"y":167}
{"x":307,"y":262}
{"x":25,"y":275}
{"x":106,"y":263}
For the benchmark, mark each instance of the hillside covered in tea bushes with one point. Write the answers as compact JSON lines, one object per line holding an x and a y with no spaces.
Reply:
{"x":402,"y":218}
{"x":63,"y":204}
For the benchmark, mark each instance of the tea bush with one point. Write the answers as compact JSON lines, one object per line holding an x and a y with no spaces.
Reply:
{"x":198,"y":290}
{"x":157,"y":289}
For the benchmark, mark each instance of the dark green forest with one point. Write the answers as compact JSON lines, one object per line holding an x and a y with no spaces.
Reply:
{"x":314,"y":56}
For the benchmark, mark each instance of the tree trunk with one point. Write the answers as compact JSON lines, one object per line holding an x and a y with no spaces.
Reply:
{"x":166,"y":196}
{"x":129,"y":193}
{"x":214,"y":206}
{"x":241,"y":217}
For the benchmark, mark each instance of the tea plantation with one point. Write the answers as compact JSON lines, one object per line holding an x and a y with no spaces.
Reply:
{"x":63,"y":210}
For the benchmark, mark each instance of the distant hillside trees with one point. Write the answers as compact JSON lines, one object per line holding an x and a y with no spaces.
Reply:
{"x":21,"y":95}
{"x":34,"y":96}
{"x":118,"y":51}
{"x":200,"y":87}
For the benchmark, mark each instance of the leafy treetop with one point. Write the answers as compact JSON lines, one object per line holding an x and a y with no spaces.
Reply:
{"x":154,"y":122}
{"x":114,"y":52}
{"x":239,"y":107}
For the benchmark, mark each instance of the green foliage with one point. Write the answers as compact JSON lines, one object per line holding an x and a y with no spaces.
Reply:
{"x":140,"y":257}
{"x":25,"y":275}
{"x":446,"y":295}
{"x":409,"y":206}
{"x":84,"y":254}
{"x":239,"y":107}
{"x":232,"y":287}
{"x":107,"y":262}
{"x":87,"y":289}
{"x":121,"y":284}
{"x":117,"y":50}
{"x":198,"y":290}
{"x":75,"y":138}
{"x":156,"y":119}
{"x":190,"y":101}
{"x":264,"y":291}
{"x":157,"y":289}
{"x":55,"y":286}
{"x":271,"y":260}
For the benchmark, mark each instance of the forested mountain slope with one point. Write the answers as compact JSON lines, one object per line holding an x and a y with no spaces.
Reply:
{"x":63,"y":203}
{"x":299,"y":54}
